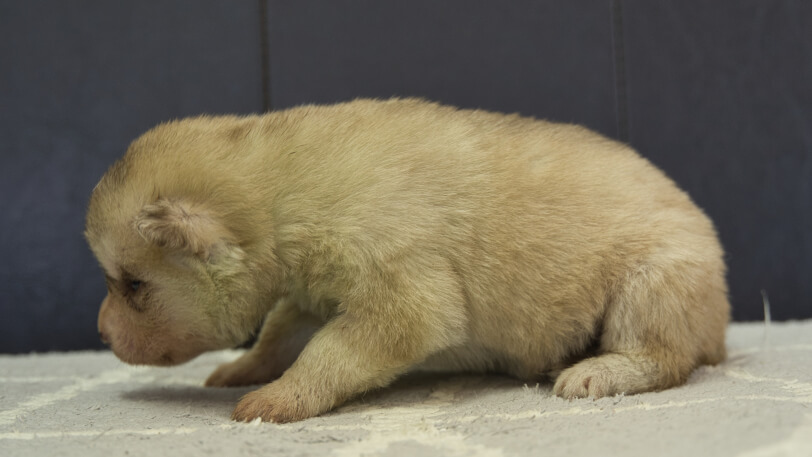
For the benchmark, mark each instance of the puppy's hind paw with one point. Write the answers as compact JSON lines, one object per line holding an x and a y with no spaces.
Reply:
{"x":612,"y":374}
{"x":587,"y":379}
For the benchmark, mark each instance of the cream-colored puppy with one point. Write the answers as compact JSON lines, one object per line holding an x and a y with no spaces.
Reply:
{"x":412,"y":235}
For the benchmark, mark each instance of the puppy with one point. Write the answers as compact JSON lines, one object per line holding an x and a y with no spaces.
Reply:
{"x":410,"y":235}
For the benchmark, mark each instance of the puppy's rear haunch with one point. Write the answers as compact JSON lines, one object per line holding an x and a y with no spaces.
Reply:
{"x":409,"y":235}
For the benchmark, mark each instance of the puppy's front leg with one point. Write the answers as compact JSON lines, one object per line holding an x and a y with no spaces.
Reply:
{"x":364,"y":348}
{"x":283,"y":335}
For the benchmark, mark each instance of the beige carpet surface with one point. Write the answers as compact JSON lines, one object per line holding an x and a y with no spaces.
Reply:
{"x":758,"y":403}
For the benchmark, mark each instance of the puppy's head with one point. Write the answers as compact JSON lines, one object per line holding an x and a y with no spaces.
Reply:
{"x":174,"y":277}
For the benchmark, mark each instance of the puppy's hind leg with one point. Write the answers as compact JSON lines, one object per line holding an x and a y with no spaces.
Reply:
{"x":660,"y":325}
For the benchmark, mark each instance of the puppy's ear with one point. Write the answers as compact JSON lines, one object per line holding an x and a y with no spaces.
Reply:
{"x":184,"y":226}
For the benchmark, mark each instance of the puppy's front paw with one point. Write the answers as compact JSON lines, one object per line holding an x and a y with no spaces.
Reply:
{"x":276,"y":402}
{"x":244,"y":371}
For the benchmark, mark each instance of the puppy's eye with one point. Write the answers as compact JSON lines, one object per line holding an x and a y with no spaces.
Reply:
{"x":134,"y":285}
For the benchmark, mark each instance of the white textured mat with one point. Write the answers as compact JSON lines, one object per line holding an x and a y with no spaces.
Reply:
{"x":759,"y":403}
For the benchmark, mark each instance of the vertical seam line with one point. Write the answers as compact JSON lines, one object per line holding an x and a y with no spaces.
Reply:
{"x":265,"y":58}
{"x":621,"y":81}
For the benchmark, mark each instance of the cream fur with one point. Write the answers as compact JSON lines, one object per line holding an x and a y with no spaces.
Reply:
{"x":406,"y":235}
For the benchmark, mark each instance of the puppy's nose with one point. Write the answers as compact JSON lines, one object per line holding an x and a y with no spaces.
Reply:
{"x":103,"y":338}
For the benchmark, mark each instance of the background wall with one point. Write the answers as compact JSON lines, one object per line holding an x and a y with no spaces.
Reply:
{"x":716,"y":93}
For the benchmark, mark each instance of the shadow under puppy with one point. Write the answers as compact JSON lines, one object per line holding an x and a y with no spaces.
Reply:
{"x":413,"y":235}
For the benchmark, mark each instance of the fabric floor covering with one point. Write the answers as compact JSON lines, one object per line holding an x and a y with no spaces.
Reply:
{"x":756,"y":404}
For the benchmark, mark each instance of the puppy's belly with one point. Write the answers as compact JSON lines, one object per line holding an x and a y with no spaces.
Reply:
{"x":470,"y":358}
{"x":476,"y":358}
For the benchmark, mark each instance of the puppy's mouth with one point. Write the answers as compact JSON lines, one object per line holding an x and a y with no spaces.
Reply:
{"x":170,"y":358}
{"x":139,"y":358}
{"x":167,"y":359}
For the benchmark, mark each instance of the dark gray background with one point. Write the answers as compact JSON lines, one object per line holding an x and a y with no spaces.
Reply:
{"x":719,"y":94}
